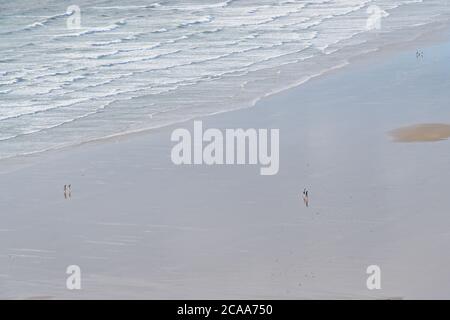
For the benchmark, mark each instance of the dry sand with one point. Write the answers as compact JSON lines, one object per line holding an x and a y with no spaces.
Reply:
{"x":426,"y":132}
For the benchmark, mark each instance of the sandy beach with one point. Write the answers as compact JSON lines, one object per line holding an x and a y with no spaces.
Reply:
{"x":422,"y":133}
{"x":141,"y":227}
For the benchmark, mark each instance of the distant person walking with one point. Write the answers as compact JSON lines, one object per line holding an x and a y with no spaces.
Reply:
{"x":305,"y":197}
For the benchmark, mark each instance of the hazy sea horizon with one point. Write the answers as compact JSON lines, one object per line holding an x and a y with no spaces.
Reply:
{"x":143,"y":65}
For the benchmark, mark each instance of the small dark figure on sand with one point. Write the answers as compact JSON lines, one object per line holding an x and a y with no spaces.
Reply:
{"x":305,"y":197}
{"x":419,"y":54}
{"x":67,"y":191}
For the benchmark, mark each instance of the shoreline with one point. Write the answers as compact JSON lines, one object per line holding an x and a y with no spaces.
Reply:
{"x":428,"y":36}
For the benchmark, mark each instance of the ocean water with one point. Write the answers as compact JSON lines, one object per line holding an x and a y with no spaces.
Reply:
{"x":127,"y":66}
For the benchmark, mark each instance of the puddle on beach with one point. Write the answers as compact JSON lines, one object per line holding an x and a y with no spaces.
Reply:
{"x":427,"y":132}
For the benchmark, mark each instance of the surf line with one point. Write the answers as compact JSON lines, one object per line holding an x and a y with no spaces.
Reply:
{"x":234,"y":146}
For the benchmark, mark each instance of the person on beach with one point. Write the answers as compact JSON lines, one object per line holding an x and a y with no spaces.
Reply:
{"x":419,"y":54}
{"x":305,"y":197}
{"x":67,"y":191}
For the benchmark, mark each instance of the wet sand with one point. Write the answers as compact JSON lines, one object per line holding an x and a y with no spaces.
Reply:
{"x":140,"y":227}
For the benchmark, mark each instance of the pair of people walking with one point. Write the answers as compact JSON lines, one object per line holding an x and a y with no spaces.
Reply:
{"x":419,"y":54}
{"x":67,"y":191}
